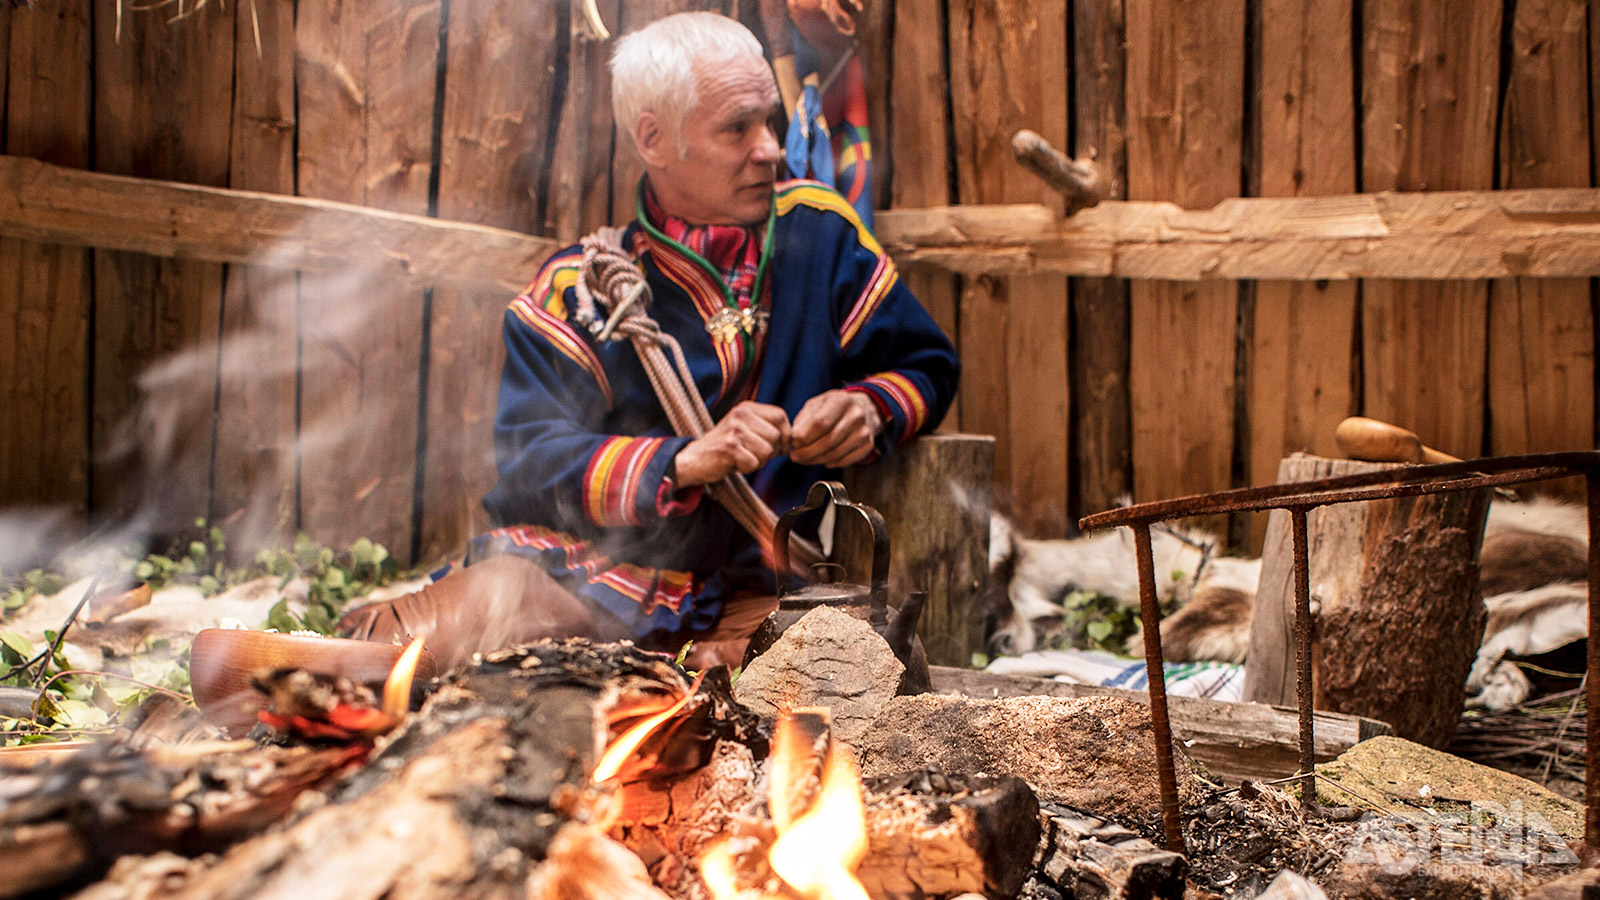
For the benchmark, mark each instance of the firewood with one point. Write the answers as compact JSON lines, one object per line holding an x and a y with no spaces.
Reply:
{"x":73,"y":819}
{"x":469,"y":795}
{"x":937,"y":835}
{"x":584,"y":864}
{"x":1088,"y":857}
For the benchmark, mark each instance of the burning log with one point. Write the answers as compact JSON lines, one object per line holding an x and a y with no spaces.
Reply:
{"x":933,"y":835}
{"x":73,"y":819}
{"x":473,"y":791}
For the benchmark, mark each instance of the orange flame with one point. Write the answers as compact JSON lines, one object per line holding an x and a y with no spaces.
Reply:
{"x":817,"y":856}
{"x":397,"y":688}
{"x":718,"y":871}
{"x":612,"y":760}
{"x":822,"y":830}
{"x":794,"y":771}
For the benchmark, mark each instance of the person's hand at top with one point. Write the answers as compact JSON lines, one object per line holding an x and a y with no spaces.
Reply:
{"x":835,"y":429}
{"x":747,"y":438}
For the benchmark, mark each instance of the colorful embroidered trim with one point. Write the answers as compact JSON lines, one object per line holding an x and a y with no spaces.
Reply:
{"x":614,"y":477}
{"x":650,"y":588}
{"x":549,"y":288}
{"x":878,"y":286}
{"x":904,"y":394}
{"x":817,"y":195}
{"x":564,"y":338}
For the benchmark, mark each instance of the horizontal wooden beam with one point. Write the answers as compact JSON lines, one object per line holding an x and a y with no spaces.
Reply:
{"x":58,"y":205}
{"x":1447,"y":234}
{"x":1441,"y":235}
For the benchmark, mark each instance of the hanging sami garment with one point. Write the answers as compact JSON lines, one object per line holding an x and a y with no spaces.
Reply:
{"x":582,"y":444}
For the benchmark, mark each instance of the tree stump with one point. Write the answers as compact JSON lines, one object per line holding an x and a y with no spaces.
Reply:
{"x":1394,"y":592}
{"x":935,"y":493}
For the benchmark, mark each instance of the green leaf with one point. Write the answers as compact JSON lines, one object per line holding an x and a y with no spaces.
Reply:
{"x":1099,"y":630}
{"x":79,"y":714}
{"x":280,"y":618}
{"x":318,"y":620}
{"x":17,"y":644}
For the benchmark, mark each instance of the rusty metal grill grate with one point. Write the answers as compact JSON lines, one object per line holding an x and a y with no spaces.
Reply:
{"x":1300,"y":498}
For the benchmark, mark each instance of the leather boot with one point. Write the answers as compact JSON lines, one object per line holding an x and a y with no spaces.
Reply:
{"x":495,"y":603}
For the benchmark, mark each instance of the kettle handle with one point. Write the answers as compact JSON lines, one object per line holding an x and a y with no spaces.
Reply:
{"x":823,"y":493}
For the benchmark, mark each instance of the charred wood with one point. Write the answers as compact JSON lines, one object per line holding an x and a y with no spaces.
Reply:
{"x":1089,"y":858}
{"x":937,"y":835}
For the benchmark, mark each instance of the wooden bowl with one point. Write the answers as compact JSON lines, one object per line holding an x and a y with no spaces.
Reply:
{"x":222,"y":662}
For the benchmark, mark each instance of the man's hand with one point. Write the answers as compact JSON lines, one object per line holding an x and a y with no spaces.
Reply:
{"x":746,"y":439}
{"x":835,"y":429}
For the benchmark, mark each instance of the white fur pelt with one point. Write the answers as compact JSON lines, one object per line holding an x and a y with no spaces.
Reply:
{"x":1533,"y":566}
{"x":1038,"y":574}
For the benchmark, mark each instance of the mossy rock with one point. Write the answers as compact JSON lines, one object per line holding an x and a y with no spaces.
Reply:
{"x":1391,"y":774}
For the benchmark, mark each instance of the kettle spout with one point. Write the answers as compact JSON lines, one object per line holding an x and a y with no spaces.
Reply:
{"x":902,"y":631}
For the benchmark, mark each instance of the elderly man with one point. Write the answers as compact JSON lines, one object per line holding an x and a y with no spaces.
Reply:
{"x":808,"y":350}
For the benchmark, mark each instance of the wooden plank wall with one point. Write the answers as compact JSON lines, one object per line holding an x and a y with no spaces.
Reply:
{"x":274,"y":403}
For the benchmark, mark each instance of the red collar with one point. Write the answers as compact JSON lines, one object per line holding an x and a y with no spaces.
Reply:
{"x":733,"y":250}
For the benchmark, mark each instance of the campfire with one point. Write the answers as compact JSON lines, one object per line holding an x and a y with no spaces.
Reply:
{"x":577,"y":771}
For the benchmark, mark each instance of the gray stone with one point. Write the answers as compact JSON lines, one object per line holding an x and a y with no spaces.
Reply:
{"x":828,"y":658}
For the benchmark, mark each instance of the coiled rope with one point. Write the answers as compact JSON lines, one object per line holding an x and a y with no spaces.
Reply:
{"x":610,"y":282}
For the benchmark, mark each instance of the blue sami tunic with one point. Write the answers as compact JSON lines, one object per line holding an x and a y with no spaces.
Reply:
{"x":583,"y":446}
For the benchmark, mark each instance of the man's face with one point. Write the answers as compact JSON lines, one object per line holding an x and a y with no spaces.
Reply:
{"x":726,"y":175}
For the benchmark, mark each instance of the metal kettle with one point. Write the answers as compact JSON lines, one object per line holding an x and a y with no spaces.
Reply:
{"x":869,"y":603}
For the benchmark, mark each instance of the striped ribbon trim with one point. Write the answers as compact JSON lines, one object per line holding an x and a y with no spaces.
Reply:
{"x":903,"y":393}
{"x":652,"y":589}
{"x":614,"y":477}
{"x":882,"y":281}
{"x":564,"y":338}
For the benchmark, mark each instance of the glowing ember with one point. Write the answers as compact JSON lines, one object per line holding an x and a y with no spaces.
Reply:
{"x":616,"y":755}
{"x":817,"y":856}
{"x":397,"y":688}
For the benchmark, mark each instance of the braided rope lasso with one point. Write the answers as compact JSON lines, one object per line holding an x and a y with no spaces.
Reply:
{"x":610,"y":281}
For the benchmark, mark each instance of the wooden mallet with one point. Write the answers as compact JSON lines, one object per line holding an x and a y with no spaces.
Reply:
{"x":1361,"y":438}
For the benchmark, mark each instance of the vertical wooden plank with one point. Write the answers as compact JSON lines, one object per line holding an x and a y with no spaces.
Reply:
{"x":580,"y":177}
{"x":366,"y":80}
{"x":1100,"y":325}
{"x":1431,"y":76}
{"x":5,"y":70}
{"x":627,"y":168}
{"x":1008,"y":66}
{"x":1303,"y":332}
{"x":492,"y":169}
{"x":44,"y":290}
{"x":255,"y":490}
{"x":919,"y":150}
{"x":875,"y":40}
{"x":1185,"y":111}
{"x":1541,"y":335}
{"x":163,"y":97}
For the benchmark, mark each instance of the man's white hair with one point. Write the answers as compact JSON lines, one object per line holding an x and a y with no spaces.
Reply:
{"x":653,"y":69}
